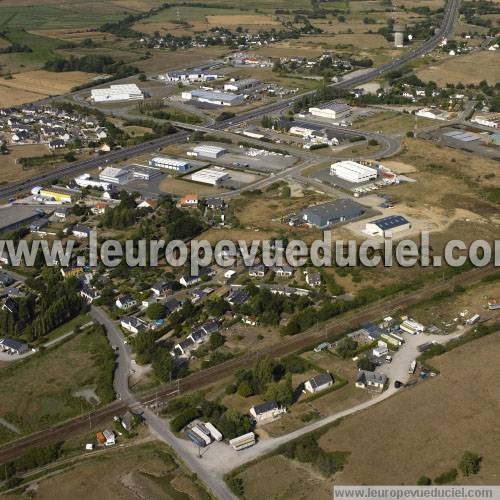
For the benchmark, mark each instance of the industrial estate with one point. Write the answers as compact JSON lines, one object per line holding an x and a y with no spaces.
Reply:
{"x":144,"y":121}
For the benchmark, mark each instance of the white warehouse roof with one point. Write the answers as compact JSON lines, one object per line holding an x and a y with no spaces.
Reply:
{"x":211,"y":150}
{"x":161,"y":160}
{"x":117,"y":92}
{"x":352,"y":169}
{"x":112,"y":172}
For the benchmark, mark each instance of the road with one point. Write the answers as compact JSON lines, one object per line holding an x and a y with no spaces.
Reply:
{"x":157,"y":425}
{"x":204,"y":378}
{"x":450,"y":15}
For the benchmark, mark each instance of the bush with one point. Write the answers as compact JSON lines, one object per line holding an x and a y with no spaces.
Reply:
{"x":446,"y":477}
{"x":245,"y":389}
{"x":424,"y":481}
{"x":184,"y":418}
{"x":470,"y":463}
{"x":236,"y":485}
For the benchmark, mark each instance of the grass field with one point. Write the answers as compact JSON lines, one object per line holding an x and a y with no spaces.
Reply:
{"x":469,"y":68}
{"x":44,"y":382}
{"x":11,"y":170}
{"x":148,"y":470}
{"x":392,"y":122}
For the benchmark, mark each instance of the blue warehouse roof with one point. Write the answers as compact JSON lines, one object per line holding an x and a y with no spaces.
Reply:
{"x":390,"y":222}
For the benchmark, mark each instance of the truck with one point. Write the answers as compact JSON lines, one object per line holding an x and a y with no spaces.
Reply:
{"x":214,"y":432}
{"x":196,"y":430}
{"x":195,"y":438}
{"x":423,"y":347}
{"x":242,"y":442}
{"x":412,"y":368}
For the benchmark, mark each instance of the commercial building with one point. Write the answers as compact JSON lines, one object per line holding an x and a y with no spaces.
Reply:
{"x":85,"y":180}
{"x":240,"y":85}
{"x":126,"y":92}
{"x":213,"y":97}
{"x":331,"y":213}
{"x":169,"y":164}
{"x":330,"y":110}
{"x":114,"y":175}
{"x":212,"y":152}
{"x":353,"y":171}
{"x":387,"y":226}
{"x":433,"y":113}
{"x":143,"y":173}
{"x":16,"y":216}
{"x":59,"y":194}
{"x":492,"y":121}
{"x":212,"y":176}
{"x":193,"y":75}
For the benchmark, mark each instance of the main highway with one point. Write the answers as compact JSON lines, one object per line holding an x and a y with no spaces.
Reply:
{"x":449,"y":18}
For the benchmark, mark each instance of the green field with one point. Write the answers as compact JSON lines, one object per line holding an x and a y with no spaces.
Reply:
{"x":65,"y":14}
{"x":38,"y":391}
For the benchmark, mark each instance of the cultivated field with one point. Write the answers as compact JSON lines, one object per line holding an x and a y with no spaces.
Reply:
{"x":469,"y":68}
{"x":10,"y":97}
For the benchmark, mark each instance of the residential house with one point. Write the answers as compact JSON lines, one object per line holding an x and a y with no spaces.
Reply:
{"x":133,"y":324}
{"x":215,"y":203}
{"x":61,"y":213}
{"x":267,"y":411}
{"x":125,"y":302}
{"x":161,"y":288}
{"x":238,"y":296}
{"x":148,"y":203}
{"x":109,"y":436}
{"x":99,"y":208}
{"x":250,"y":320}
{"x":190,"y":200}
{"x":284,"y":271}
{"x":371,"y":380}
{"x":13,"y":346}
{"x":257,"y":271}
{"x":319,"y":383}
{"x":89,"y":294}
{"x":38,"y":224}
{"x":56,"y":144}
{"x":313,"y":279}
{"x":80,"y":231}
{"x":10,"y":305}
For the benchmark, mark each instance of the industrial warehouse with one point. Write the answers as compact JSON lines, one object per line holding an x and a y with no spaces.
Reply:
{"x":126,"y":92}
{"x":216,"y":98}
{"x":213,"y":176}
{"x":353,"y":172}
{"x":169,"y":164}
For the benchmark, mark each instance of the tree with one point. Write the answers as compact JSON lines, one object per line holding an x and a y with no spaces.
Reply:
{"x":162,"y":364}
{"x":281,"y":392}
{"x":245,"y":389}
{"x":346,"y":348}
{"x":216,"y":340}
{"x":470,"y":463}
{"x":156,"y":311}
{"x":366,"y":364}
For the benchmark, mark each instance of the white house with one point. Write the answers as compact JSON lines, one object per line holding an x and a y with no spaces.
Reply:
{"x":371,"y":380}
{"x":269,"y":410}
{"x":110,"y":437}
{"x":133,"y":324}
{"x":319,"y":383}
{"x":125,"y":302}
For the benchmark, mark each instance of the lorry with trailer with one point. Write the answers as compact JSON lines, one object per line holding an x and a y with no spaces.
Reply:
{"x":196,"y":430}
{"x":242,"y":442}
{"x":214,"y":432}
{"x":197,"y":440}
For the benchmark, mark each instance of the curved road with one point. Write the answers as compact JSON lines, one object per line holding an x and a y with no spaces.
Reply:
{"x":450,"y":15}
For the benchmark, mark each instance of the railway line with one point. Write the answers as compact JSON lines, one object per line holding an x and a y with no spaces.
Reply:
{"x":204,"y":378}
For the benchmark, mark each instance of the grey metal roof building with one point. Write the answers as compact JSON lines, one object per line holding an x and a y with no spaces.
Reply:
{"x":331,"y":213}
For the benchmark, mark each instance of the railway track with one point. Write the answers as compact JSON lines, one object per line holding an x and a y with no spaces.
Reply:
{"x":204,"y":378}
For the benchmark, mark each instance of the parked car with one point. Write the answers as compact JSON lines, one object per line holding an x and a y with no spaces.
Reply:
{"x":398,"y":384}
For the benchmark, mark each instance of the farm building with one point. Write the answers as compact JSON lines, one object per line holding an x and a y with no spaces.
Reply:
{"x":210,"y":176}
{"x":212,"y":152}
{"x":330,"y":110}
{"x":353,"y":171}
{"x":126,"y":92}
{"x":240,"y":85}
{"x":213,"y":97}
{"x":334,"y":212}
{"x":319,"y":383}
{"x":387,"y":226}
{"x":169,"y":164}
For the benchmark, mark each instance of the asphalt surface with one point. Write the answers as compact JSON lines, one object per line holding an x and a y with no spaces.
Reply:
{"x":450,"y":14}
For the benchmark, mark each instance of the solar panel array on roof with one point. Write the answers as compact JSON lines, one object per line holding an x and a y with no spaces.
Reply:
{"x":390,"y":222}
{"x":460,"y":135}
